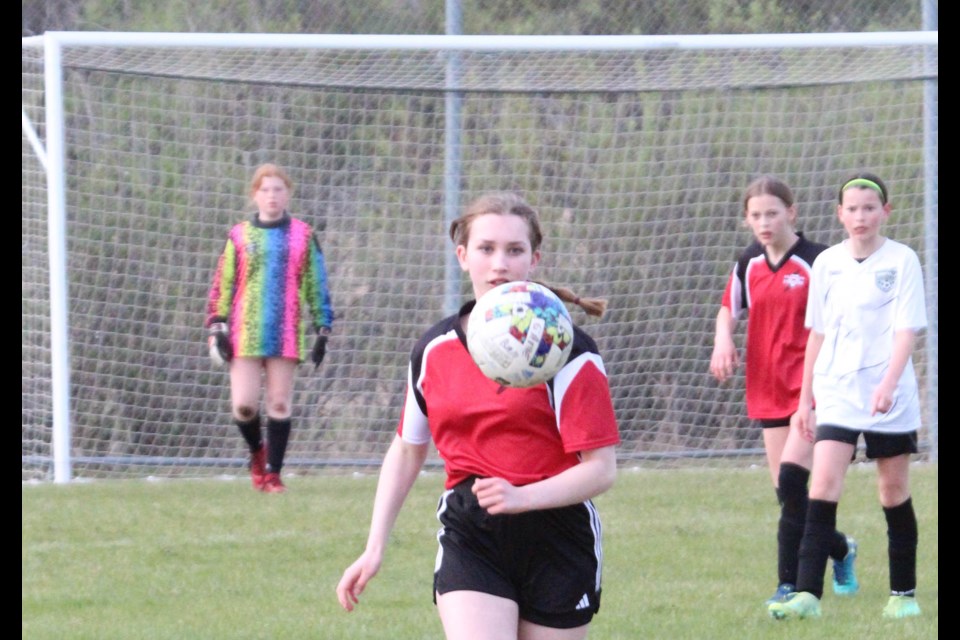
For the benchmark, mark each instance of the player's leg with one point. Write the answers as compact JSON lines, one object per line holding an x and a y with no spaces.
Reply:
{"x":472,"y":615}
{"x":775,"y":435}
{"x":831,"y":457}
{"x":278,"y":401}
{"x":245,"y":381}
{"x":777,"y":443}
{"x":531,"y":631}
{"x":892,"y":453}
{"x":794,"y":474}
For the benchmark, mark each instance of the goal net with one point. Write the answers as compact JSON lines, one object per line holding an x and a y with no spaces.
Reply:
{"x":635,"y":151}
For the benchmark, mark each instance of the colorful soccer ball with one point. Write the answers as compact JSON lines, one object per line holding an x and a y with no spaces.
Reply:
{"x":520,"y":334}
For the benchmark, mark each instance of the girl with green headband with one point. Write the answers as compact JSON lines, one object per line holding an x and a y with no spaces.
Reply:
{"x":865,"y":309}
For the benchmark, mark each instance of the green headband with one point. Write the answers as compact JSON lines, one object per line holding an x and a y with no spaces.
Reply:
{"x":866,"y":184}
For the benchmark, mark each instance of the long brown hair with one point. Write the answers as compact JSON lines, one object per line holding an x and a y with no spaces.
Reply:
{"x":509,"y":203}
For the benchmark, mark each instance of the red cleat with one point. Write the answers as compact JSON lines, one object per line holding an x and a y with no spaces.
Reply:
{"x":273,"y":484}
{"x":258,"y":468}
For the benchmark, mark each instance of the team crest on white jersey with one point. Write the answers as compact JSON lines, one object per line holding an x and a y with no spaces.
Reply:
{"x":793,"y":280}
{"x":885,"y":279}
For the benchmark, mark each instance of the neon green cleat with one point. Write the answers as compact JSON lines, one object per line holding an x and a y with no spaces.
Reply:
{"x":844,"y":579}
{"x":797,"y":606}
{"x":901,"y":607}
{"x":781,"y":594}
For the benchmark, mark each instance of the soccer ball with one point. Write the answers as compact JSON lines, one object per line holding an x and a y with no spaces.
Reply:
{"x":520,"y":334}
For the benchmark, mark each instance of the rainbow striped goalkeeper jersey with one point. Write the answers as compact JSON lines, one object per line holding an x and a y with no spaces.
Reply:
{"x":271,"y":280}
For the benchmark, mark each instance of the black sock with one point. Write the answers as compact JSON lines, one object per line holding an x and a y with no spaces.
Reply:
{"x":902,"y":539}
{"x":838,"y":546}
{"x":278,"y":433}
{"x":250,"y":431}
{"x":793,"y":514}
{"x":818,"y":534}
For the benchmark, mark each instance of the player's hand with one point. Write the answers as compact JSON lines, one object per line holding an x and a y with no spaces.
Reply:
{"x":496,"y":495}
{"x":724,"y":360}
{"x":218,"y":344}
{"x":319,"y":350}
{"x":355,"y":579}
{"x":881,"y":400}
{"x":804,"y":421}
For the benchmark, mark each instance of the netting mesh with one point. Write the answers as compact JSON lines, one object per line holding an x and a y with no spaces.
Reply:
{"x":636,"y":162}
{"x":658,"y":69}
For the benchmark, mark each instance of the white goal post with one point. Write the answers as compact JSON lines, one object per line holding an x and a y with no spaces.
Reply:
{"x":137,"y":147}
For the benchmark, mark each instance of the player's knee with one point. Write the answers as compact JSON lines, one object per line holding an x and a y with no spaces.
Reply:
{"x":245,"y":412}
{"x":828,"y":487}
{"x":893,"y":492}
{"x":278,"y":409}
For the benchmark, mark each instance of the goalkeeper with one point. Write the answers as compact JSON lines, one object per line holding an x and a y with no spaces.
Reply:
{"x":270,"y":276}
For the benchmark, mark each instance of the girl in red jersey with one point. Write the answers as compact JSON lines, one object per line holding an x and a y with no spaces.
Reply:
{"x":770,"y":282}
{"x":520,"y":543}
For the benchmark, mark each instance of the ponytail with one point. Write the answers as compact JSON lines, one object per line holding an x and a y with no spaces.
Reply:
{"x":593,"y":306}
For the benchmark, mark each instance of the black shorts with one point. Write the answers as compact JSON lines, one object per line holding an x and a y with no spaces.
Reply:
{"x":547,"y":561}
{"x":773,"y":424}
{"x":879,"y":445}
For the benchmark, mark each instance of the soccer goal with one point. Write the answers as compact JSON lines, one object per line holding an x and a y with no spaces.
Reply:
{"x":137,"y":148}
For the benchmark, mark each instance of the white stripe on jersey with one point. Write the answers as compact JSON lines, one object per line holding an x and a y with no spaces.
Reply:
{"x":566,"y":376}
{"x":416,"y":428}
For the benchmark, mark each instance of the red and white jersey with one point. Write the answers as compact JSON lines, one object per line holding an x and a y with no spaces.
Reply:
{"x":858,"y":307}
{"x":775,"y":298}
{"x":481,"y":428}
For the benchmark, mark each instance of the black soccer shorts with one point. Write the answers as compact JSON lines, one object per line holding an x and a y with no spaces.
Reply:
{"x":879,"y":444}
{"x":548,"y":562}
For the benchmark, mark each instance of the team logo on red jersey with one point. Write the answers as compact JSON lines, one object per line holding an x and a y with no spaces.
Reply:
{"x":793,"y":280}
{"x":885,"y":279}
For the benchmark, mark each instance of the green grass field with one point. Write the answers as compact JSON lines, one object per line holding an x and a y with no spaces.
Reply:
{"x":688,"y":554}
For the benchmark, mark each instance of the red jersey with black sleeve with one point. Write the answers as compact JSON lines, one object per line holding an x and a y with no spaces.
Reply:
{"x":483,"y":429}
{"x":775,"y":297}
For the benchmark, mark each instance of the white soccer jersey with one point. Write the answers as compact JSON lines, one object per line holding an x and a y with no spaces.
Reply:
{"x":858,"y":307}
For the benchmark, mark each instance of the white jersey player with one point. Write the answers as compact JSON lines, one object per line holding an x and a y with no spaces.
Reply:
{"x":866,"y":306}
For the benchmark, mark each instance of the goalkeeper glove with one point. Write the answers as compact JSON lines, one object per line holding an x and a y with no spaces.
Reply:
{"x":319,"y":348}
{"x":219,"y":344}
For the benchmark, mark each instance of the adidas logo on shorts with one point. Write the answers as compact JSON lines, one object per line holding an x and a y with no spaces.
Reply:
{"x":584,"y":603}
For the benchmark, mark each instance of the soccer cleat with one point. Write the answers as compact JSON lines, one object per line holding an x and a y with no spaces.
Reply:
{"x":780,"y":595}
{"x":258,"y":468}
{"x":797,"y":606}
{"x":273,"y":484}
{"x":844,"y":579}
{"x":901,"y":607}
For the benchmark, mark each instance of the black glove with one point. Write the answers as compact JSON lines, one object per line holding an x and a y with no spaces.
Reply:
{"x":218,"y":343}
{"x":319,"y":350}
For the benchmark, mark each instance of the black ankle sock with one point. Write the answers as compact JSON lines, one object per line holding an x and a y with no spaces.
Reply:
{"x":278,"y":434}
